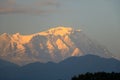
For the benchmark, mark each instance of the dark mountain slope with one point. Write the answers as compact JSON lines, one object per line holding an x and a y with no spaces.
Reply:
{"x":55,"y":71}
{"x":8,"y":70}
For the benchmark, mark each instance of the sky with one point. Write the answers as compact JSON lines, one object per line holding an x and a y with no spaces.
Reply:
{"x":99,"y":19}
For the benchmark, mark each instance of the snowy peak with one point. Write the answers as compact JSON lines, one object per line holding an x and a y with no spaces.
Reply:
{"x":17,"y":37}
{"x":58,"y":31}
{"x":55,"y":44}
{"x":23,"y":39}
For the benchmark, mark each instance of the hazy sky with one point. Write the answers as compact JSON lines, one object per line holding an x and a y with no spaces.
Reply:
{"x":100,"y":19}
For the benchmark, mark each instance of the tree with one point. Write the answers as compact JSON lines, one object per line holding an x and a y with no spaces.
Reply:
{"x":98,"y":76}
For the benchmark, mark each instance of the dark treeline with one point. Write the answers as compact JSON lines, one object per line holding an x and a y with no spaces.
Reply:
{"x":97,"y":76}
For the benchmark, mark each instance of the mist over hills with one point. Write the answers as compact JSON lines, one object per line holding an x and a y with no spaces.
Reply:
{"x":53,"y":45}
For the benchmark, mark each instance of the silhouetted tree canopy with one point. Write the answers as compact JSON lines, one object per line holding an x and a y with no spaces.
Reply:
{"x":97,"y":76}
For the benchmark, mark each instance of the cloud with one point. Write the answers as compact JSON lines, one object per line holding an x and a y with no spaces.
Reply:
{"x":6,"y":3}
{"x":10,"y":6}
{"x":47,"y":2}
{"x":21,"y":10}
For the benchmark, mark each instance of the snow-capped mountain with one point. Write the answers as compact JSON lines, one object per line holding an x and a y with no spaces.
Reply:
{"x":55,"y":44}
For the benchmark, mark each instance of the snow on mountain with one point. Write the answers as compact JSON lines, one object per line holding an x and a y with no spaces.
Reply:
{"x":55,"y":44}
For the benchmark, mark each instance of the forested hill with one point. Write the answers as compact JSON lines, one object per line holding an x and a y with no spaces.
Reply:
{"x":97,"y":76}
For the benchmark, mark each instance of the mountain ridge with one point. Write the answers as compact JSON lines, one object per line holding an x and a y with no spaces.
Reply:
{"x":55,"y":44}
{"x":63,"y":70}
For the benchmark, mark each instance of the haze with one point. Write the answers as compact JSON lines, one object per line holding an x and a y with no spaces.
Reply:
{"x":99,"y":19}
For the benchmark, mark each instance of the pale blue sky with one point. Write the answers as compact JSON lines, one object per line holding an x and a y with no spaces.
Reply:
{"x":100,"y":19}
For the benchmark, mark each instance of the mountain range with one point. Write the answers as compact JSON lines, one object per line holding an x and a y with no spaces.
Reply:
{"x":55,"y":54}
{"x":63,"y":70}
{"x":53,"y":45}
